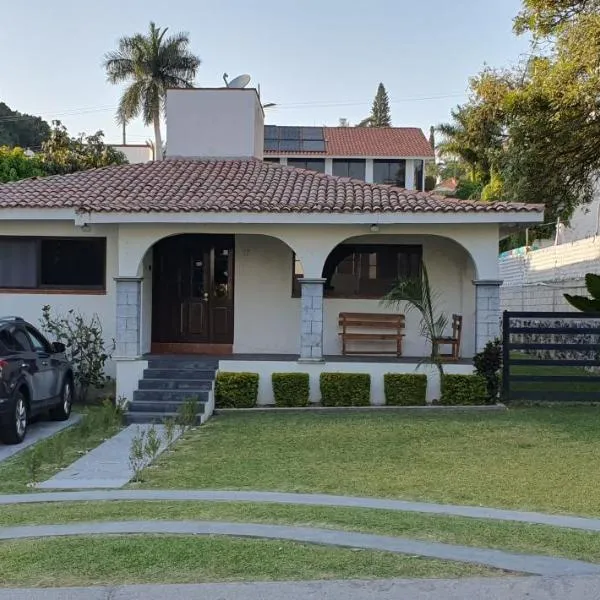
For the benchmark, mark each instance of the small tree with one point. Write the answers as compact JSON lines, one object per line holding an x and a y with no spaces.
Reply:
{"x":592,"y":283}
{"x":488,"y":363}
{"x":380,"y":112}
{"x":416,"y":294}
{"x":85,"y":346}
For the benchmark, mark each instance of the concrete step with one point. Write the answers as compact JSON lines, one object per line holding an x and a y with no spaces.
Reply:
{"x":170,"y":395}
{"x":175,"y":384}
{"x":179,"y":363}
{"x":176,"y":373}
{"x":153,"y":417}
{"x":161,"y":406}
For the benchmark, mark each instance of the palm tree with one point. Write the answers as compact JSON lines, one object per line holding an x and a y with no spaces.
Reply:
{"x":416,"y":294}
{"x":151,"y":64}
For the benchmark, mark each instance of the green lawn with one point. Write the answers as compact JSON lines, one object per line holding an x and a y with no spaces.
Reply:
{"x":514,"y":537}
{"x":57,"y":452}
{"x":115,"y":560}
{"x":537,"y":458}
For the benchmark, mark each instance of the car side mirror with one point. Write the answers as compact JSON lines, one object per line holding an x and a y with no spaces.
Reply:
{"x":58,"y":347}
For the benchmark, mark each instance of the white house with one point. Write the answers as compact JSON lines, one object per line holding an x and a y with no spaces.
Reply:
{"x":135,"y":153}
{"x":198,"y":253}
{"x":390,"y":155}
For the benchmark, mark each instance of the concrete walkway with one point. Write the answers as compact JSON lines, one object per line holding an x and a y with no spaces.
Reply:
{"x":106,"y":466}
{"x":475,"y":512}
{"x":523,"y":563}
{"x":505,"y":588}
{"x":36,"y":432}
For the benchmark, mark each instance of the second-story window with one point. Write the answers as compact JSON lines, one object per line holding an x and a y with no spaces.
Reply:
{"x":354,"y":168}
{"x":314,"y":164}
{"x":392,"y":172}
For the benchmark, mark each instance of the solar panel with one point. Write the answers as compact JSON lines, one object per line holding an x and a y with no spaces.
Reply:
{"x":289,"y":133}
{"x":313,"y":145}
{"x":290,"y":146}
{"x":312,"y":133}
{"x":271,"y":145}
{"x":271,"y":132}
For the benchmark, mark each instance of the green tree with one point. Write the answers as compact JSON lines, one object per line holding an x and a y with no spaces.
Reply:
{"x":17,"y":129}
{"x":15,"y":165}
{"x":545,"y":17}
{"x":150,"y":64}
{"x":65,"y":154}
{"x":380,"y":111}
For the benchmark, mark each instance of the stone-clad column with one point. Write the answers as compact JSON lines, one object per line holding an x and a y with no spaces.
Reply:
{"x":311,"y":346}
{"x":487,"y":312}
{"x":128,"y":317}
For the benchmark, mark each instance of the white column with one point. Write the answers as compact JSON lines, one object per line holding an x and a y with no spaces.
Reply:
{"x":128,"y":317}
{"x":283,"y":160}
{"x":311,"y":336}
{"x":369,"y":170}
{"x":329,"y":166}
{"x":409,"y":174}
{"x":487,"y":311}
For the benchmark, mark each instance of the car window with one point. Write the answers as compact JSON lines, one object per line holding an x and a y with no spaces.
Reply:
{"x":21,"y":339}
{"x":38,"y":341}
{"x":10,"y":342}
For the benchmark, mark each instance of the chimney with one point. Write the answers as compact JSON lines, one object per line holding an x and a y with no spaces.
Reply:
{"x":215,"y":123}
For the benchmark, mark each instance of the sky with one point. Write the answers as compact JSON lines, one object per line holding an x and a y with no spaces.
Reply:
{"x":317,"y":60}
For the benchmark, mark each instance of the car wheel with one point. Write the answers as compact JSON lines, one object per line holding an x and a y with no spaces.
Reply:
{"x":62,"y":410}
{"x":14,"y":429}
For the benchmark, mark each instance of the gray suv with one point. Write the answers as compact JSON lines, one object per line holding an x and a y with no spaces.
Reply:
{"x":35,"y":378}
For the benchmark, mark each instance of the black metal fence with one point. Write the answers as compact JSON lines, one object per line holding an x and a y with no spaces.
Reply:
{"x":551,"y":356}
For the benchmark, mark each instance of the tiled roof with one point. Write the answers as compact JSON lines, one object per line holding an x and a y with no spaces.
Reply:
{"x":371,"y":141}
{"x":188,"y":185}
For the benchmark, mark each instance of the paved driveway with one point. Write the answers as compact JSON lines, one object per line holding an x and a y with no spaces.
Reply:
{"x":506,"y":588}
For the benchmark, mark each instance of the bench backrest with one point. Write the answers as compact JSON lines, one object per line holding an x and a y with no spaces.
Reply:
{"x":371,"y":320}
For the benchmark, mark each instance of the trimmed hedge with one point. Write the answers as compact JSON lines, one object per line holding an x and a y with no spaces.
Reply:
{"x":405,"y":389}
{"x":236,"y":390}
{"x":290,"y":389}
{"x":345,"y":389}
{"x":463,"y":389}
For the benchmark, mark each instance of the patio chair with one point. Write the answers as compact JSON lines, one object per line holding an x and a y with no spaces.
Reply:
{"x":453,"y":341}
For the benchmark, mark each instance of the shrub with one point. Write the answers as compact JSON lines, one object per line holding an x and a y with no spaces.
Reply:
{"x":488,"y":363}
{"x":463,"y":389}
{"x":405,"y":389}
{"x":291,"y":389}
{"x":345,"y":389}
{"x":236,"y":390}
{"x":85,"y":347}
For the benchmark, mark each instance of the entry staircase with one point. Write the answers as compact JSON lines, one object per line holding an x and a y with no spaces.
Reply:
{"x":168,"y":382}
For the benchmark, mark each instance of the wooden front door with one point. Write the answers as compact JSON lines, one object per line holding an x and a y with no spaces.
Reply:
{"x":192,"y":298}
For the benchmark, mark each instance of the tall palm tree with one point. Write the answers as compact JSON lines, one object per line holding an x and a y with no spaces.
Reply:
{"x":151,"y":64}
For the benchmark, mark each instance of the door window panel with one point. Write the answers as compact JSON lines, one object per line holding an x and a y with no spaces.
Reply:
{"x":38,"y":343}
{"x":22,"y":339}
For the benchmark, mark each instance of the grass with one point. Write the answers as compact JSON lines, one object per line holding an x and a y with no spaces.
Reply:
{"x":534,"y":459}
{"x":515,"y":537}
{"x":55,"y":453}
{"x":181,"y":559}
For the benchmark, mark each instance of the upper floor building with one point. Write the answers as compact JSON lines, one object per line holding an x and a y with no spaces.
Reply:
{"x":389,"y":155}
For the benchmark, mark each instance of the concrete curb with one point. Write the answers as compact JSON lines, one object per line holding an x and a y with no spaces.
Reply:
{"x":520,"y":563}
{"x":472,"y":512}
{"x":435,"y":408}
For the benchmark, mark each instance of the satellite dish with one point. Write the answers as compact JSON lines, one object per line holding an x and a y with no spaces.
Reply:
{"x":241,"y":81}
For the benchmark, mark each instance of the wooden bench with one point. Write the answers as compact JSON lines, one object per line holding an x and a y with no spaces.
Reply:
{"x":370,"y":324}
{"x":453,"y":341}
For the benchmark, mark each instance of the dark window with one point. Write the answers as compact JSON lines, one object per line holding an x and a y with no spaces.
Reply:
{"x":314,"y":164}
{"x":9,"y":342}
{"x":392,"y":172}
{"x":369,"y":271}
{"x":354,"y":168}
{"x":52,"y":263}
{"x":419,"y":175}
{"x":271,"y":159}
{"x":38,"y":342}
{"x":22,"y":340}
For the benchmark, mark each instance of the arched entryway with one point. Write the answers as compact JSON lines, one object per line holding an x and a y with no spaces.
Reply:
{"x":193,"y":294}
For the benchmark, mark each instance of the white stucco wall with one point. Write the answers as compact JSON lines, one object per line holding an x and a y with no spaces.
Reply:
{"x":135,"y":153}
{"x":29,"y":304}
{"x":267,"y":318}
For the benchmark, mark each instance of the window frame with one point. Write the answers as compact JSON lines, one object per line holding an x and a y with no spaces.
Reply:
{"x":389,"y":161}
{"x":40,"y":288}
{"x":358,"y":248}
{"x":347,"y":162}
{"x":306,"y":160}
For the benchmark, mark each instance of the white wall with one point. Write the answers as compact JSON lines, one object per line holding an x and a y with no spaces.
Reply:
{"x":267,"y":318}
{"x":265,"y":369}
{"x":29,"y":304}
{"x":216,"y":123}
{"x":135,"y":153}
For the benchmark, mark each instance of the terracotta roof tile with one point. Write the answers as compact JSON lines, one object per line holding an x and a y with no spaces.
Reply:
{"x":188,"y":185}
{"x":371,"y":141}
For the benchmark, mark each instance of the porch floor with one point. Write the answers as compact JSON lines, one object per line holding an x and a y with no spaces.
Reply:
{"x":355,"y":358}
